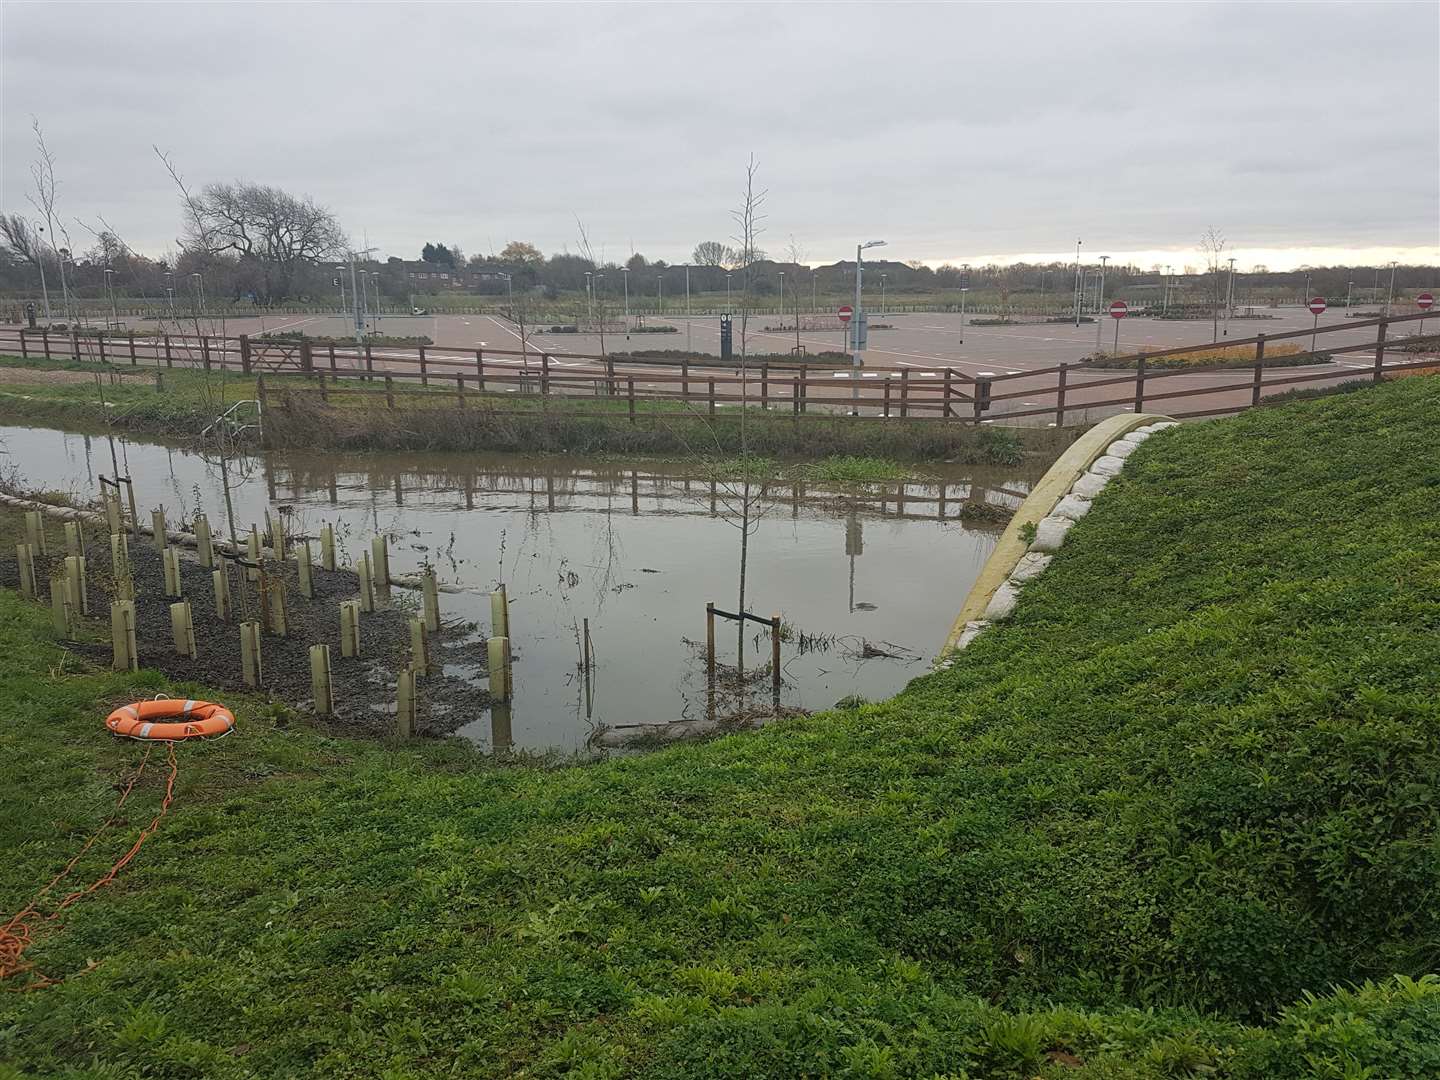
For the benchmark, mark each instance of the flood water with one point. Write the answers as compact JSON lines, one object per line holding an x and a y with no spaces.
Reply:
{"x":867,"y":581}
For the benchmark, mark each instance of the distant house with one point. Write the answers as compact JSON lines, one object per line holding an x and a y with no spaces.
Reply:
{"x":432,"y":275}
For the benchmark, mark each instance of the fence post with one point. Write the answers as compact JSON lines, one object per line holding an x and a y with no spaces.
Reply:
{"x":100,"y":337}
{"x":460,"y":389}
{"x":260,"y":394}
{"x":168,"y":361}
{"x":1259,"y":370}
{"x":1060,"y":394}
{"x":685,"y":378}
{"x":1140,"y":385}
{"x":369,"y":363}
{"x":424,"y":378}
{"x":307,"y":357}
{"x":710,"y":639}
{"x":75,"y":342}
{"x":45,"y":342}
{"x":205,"y":351}
{"x":132,"y":348}
{"x":775,"y":657}
{"x":630,"y":389}
{"x":389,"y":393}
{"x":332,"y":357}
{"x":711,"y":396}
{"x":24,"y":348}
{"x":904,"y":392}
{"x":609,"y":376}
{"x":544,"y":373}
{"x":765,"y":385}
{"x":1380,"y":347}
{"x":480,"y":369}
{"x":804,"y":370}
{"x":947,"y":412}
{"x":885,"y":408}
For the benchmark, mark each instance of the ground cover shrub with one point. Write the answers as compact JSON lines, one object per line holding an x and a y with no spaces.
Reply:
{"x":1278,"y":355}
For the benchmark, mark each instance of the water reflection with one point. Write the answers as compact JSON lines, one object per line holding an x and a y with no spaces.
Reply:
{"x":866,"y":581}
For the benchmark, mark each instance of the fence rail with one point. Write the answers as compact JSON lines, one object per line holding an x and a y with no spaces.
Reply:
{"x":938,"y":392}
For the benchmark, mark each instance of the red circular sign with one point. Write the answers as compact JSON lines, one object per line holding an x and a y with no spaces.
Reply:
{"x":1317,"y":305}
{"x":1424,"y":300}
{"x":845,"y":312}
{"x":1118,"y":309}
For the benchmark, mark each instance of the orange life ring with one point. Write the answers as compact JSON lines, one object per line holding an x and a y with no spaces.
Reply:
{"x":196,"y":720}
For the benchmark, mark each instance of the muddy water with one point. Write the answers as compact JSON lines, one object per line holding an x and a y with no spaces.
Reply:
{"x":867,"y":582}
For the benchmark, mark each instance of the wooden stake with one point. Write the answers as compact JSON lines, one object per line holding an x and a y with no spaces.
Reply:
{"x":327,"y":547}
{"x":349,"y":627}
{"x":134,"y":513}
{"x":204,"y":543}
{"x":251,"y":667}
{"x":710,"y":638}
{"x":419,"y":647}
{"x":321,"y":687}
{"x":182,"y":629}
{"x":431,"y":594}
{"x":775,"y":658}
{"x":25,"y":554}
{"x":122,"y":635}
{"x":302,"y":565}
{"x":157,"y":529}
{"x":499,"y":656}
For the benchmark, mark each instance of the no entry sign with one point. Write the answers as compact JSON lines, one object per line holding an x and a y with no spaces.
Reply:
{"x":845,"y":312}
{"x":1317,"y":305}
{"x":1424,"y":300}
{"x":1118,"y":309}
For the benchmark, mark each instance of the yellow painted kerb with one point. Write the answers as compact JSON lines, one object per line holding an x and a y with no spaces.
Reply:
{"x":1053,"y":487}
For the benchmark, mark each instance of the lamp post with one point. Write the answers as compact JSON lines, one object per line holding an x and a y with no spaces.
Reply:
{"x":1079,"y":284}
{"x":1349,"y":286}
{"x":364,"y":298}
{"x":660,"y":293}
{"x":1100,"y":296}
{"x":626,"y":271}
{"x":110,"y":289}
{"x":858,"y":320}
{"x":1229,"y":295}
{"x":1165,"y":304}
{"x":199,"y":286}
{"x":883,"y":306}
{"x":687,"y":307}
{"x":340,"y":280}
{"x":1390,"y":296}
{"x":170,"y":290}
{"x":814,"y":291}
{"x":375,"y":281}
{"x":1043,"y":275}
{"x":782,"y":296}
{"x":589,"y":298}
{"x":964,"y":291}
{"x":727,"y":292}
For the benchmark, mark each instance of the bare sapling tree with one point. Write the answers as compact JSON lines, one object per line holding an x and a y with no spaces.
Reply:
{"x":748,"y":218}
{"x":1213,"y":246}
{"x":795,"y":256}
{"x":596,"y":293}
{"x":42,"y":175}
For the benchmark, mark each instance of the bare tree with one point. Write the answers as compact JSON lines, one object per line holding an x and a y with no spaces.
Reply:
{"x":1213,"y":245}
{"x":748,"y":218}
{"x":274,"y":228}
{"x":42,"y":174}
{"x":795,"y":256}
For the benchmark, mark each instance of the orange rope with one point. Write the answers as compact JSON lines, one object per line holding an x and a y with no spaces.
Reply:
{"x":18,"y":933}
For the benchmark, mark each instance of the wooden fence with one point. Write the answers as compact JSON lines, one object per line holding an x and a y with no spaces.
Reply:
{"x":938,"y":392}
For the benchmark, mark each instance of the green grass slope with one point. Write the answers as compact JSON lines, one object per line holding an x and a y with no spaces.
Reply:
{"x":1177,"y":817}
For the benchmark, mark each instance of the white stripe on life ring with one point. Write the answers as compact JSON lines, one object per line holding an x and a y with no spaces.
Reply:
{"x":145,"y":729}
{"x":188,"y":706}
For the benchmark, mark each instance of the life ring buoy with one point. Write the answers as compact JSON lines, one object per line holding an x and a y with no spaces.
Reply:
{"x":194,"y":720}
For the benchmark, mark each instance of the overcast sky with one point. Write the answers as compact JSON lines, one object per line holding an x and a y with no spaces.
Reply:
{"x":1304,"y":132}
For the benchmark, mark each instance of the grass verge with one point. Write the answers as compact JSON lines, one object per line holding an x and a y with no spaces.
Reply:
{"x":185,"y":402}
{"x":1143,"y":829}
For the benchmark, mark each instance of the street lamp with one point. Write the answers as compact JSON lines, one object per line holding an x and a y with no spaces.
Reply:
{"x":626,"y":271}
{"x":727,"y":292}
{"x":782,"y":296}
{"x":687,"y":307}
{"x":964,"y":289}
{"x":660,"y":293}
{"x":858,"y":320}
{"x":1390,"y":296}
{"x":1349,"y":285}
{"x":882,"y":293}
{"x":199,"y":281}
{"x":170,"y":290}
{"x":1100,"y":295}
{"x":1079,"y":284}
{"x":340,"y":280}
{"x":110,"y":288}
{"x":589,"y":297}
{"x":364,"y":298}
{"x":1165,"y":304}
{"x":1229,"y":295}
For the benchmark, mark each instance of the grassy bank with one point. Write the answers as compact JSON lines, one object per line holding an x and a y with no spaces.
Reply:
{"x":1141,"y":830}
{"x":186,"y":402}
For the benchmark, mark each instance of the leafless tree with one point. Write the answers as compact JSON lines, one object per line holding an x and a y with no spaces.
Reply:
{"x":42,"y":174}
{"x":280,"y":231}
{"x":1213,"y":245}
{"x":795,"y":256}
